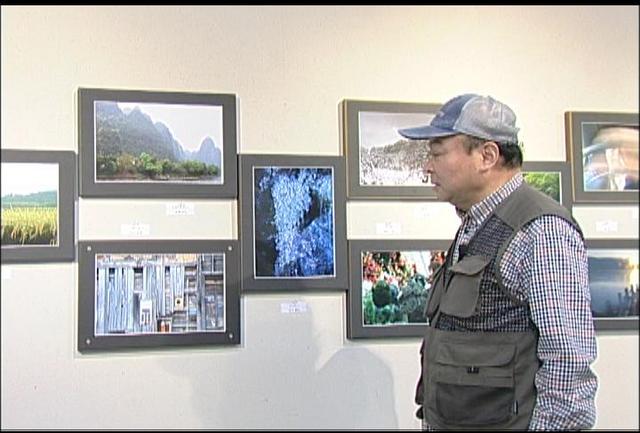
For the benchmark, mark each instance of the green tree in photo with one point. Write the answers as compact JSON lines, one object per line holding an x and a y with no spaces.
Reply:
{"x":545,"y":182}
{"x":126,"y":164}
{"x":150,"y":166}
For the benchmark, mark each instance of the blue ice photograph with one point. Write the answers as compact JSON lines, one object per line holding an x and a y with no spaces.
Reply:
{"x":293,"y":212}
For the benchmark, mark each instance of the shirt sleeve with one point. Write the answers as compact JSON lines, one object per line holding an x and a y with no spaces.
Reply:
{"x":554,"y":276}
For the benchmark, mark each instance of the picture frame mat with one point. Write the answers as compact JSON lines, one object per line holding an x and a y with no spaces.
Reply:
{"x":614,"y":323}
{"x":574,"y":145}
{"x":355,"y":321}
{"x":89,"y":187}
{"x":247,"y":226}
{"x":351,"y":145}
{"x":561,"y":167}
{"x":65,"y":251}
{"x":88,"y":341}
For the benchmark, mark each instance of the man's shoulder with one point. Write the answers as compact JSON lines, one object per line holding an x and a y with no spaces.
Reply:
{"x":526,"y":204}
{"x":546,"y":227}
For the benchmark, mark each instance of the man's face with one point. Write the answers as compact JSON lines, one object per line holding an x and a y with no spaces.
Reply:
{"x":454,"y":171}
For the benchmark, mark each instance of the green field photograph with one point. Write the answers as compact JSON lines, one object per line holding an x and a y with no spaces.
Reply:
{"x":29,"y":204}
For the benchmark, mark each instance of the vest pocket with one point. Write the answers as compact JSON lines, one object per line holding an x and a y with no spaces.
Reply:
{"x":463,"y":289}
{"x":435,"y":292}
{"x":474,"y":385}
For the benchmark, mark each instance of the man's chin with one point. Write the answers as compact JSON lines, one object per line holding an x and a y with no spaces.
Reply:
{"x":440,"y":194}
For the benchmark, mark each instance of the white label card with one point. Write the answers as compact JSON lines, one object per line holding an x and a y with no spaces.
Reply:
{"x":135,"y":229}
{"x":388,"y":228}
{"x":424,"y":211}
{"x":607,"y":226}
{"x":293,"y":307}
{"x":180,"y":208}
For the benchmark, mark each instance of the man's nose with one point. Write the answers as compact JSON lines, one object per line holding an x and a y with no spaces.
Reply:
{"x":428,"y":167}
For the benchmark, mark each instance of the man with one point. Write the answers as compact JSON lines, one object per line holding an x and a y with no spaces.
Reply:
{"x":510,"y":338}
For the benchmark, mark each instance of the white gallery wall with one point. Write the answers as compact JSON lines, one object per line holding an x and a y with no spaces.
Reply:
{"x":290,"y":67}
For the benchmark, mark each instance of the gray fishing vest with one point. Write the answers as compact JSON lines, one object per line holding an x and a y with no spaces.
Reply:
{"x":478,"y":357}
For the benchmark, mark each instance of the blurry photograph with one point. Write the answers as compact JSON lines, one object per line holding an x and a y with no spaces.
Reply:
{"x":159,"y":293}
{"x":294,"y":222}
{"x":610,"y":157}
{"x":603,"y":149}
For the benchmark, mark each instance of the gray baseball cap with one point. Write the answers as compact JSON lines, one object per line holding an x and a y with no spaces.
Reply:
{"x":470,"y":114}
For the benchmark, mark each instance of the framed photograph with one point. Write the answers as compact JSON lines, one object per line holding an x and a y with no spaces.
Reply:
{"x":389,"y":285}
{"x":154,"y":293}
{"x":380,"y":162}
{"x":550,"y":177}
{"x":603,"y":149}
{"x":293,"y":222}
{"x":146,"y":144}
{"x":613,"y":282}
{"x":38,"y":206}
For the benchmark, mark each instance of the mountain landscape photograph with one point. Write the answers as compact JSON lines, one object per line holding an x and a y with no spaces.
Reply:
{"x":149,"y":142}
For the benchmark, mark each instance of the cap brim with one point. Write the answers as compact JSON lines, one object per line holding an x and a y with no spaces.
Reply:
{"x":425,"y":132}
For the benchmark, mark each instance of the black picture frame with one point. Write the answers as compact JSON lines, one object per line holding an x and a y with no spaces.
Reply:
{"x":613,"y":311}
{"x":64,"y":249}
{"x":564,"y":171}
{"x":380,"y":119}
{"x":590,"y":163}
{"x":198,"y":298}
{"x":263,"y":265}
{"x":144,"y":131}
{"x":356,"y":326}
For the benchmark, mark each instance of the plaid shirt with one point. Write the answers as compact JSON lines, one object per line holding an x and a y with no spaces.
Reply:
{"x":546,"y":266}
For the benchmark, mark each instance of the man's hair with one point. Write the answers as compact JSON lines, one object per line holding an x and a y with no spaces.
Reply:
{"x":510,"y":152}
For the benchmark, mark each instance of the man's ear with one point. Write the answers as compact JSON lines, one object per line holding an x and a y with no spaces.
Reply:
{"x":490,"y":154}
